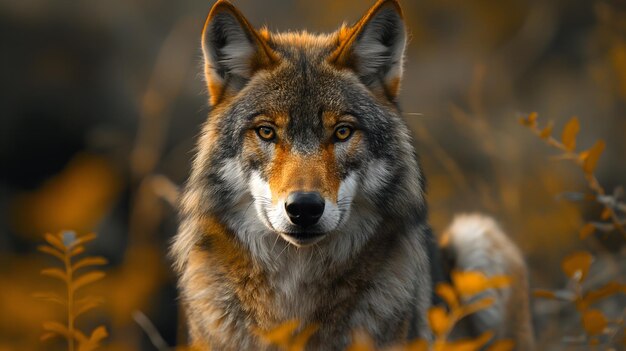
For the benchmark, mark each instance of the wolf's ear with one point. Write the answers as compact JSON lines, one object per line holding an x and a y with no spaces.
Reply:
{"x":374,"y":48}
{"x":233,"y":51}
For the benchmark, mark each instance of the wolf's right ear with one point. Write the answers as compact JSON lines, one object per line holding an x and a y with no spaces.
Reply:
{"x":233,"y":51}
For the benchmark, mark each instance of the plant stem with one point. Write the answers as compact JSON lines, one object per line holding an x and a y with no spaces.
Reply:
{"x":70,"y":298}
{"x":592,"y":181}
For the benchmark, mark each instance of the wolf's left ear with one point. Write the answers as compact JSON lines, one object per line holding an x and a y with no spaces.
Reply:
{"x":233,"y":51}
{"x":374,"y":48}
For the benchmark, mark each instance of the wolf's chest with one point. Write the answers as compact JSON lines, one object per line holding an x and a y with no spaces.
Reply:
{"x":298,"y":290}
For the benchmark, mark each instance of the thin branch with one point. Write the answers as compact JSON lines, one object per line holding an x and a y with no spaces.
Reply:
{"x":592,"y":182}
{"x":151,"y":331}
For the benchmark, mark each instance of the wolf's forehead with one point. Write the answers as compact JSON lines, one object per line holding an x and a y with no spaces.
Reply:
{"x":316,"y":46}
{"x":304,"y":86}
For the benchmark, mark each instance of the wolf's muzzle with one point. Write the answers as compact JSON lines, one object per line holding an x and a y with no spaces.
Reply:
{"x":304,"y":208}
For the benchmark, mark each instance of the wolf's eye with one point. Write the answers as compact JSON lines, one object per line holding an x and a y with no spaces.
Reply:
{"x":342,"y":133}
{"x":266,"y":133}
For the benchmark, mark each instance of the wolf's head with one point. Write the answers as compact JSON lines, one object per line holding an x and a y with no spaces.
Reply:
{"x":305,"y":135}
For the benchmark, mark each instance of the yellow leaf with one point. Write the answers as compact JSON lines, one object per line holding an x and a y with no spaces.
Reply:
{"x":469,"y":283}
{"x":48,"y":336}
{"x":417,"y":345}
{"x":576,"y":265}
{"x":438,"y":320}
{"x":477,"y":306}
{"x":89,"y":261}
{"x":569,"y":134}
{"x":50,"y":297}
{"x":98,"y":334}
{"x":77,"y":250}
{"x":85,"y":305}
{"x":499,"y":281}
{"x":299,"y":341}
{"x":594,"y":322}
{"x":54,"y":273}
{"x":280,"y":335}
{"x":605,"y":291}
{"x":523,"y":121}
{"x":546,"y":294}
{"x":591,"y":161}
{"x":87,"y":278}
{"x":447,"y":293}
{"x":530,"y":120}
{"x":51,"y":251}
{"x":547,"y":131}
{"x":94,"y":339}
{"x":586,"y":231}
{"x":469,"y":344}
{"x":502,"y":345}
{"x":606,"y":213}
{"x":79,"y":336}
{"x":55,"y":241}
{"x":85,"y":239}
{"x":58,"y":328}
{"x":361,"y":341}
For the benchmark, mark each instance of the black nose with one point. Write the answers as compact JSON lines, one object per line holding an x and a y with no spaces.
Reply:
{"x":304,"y":209}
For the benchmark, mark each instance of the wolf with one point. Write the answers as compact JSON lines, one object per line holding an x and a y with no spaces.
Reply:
{"x":306,"y":198}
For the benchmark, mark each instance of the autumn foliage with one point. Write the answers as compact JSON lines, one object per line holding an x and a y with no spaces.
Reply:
{"x":597,"y":328}
{"x":67,"y":248}
{"x":460,"y":301}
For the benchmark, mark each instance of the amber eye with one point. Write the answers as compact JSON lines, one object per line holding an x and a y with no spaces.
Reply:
{"x":266,"y":133}
{"x":342,"y":133}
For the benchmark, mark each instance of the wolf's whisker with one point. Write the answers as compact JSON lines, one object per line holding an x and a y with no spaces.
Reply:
{"x":311,"y":252}
{"x":284,"y":248}
{"x":416,"y":114}
{"x":275,"y":241}
{"x":319,"y":250}
{"x":245,"y":213}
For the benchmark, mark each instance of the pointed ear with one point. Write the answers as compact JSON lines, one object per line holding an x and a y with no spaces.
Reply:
{"x":233,"y":51}
{"x":374,"y":48}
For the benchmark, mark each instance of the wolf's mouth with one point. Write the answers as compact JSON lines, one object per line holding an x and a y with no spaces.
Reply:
{"x":303,"y":238}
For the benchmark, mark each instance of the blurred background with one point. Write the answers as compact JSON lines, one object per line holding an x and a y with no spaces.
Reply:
{"x":101,"y":102}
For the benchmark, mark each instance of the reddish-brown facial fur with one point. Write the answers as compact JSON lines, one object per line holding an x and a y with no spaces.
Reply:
{"x":290,"y":172}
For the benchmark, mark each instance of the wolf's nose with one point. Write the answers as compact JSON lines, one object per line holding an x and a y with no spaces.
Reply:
{"x":304,"y":208}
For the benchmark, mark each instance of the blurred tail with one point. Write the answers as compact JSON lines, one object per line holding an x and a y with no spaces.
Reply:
{"x":476,"y":243}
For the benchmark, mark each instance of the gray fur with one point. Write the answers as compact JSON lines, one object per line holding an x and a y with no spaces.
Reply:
{"x":371,"y":270}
